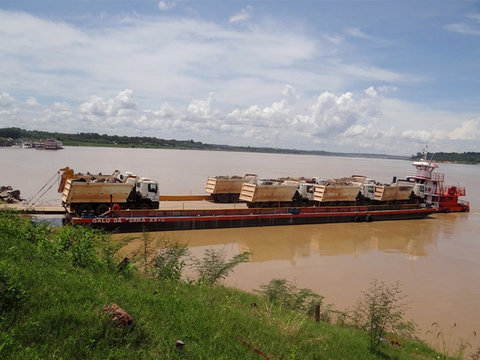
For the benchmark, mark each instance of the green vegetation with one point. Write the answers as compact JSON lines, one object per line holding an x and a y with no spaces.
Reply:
{"x":93,"y":139}
{"x":461,"y":158}
{"x":55,"y":283}
{"x":380,"y":311}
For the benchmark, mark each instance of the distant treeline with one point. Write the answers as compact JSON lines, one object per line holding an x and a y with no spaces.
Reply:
{"x":463,"y":158}
{"x":8,"y":136}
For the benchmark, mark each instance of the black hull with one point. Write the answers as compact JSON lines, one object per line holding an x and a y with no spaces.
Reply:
{"x":129,"y":221}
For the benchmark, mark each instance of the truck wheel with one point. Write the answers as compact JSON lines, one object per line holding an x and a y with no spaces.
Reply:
{"x":101,"y":209}
{"x":84,"y":209}
{"x":222,"y":198}
{"x":144,"y":205}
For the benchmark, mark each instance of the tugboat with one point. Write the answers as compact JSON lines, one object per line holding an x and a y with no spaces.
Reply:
{"x":444,"y":198}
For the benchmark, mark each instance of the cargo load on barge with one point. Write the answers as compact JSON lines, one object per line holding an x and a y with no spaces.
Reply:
{"x":354,"y":190}
{"x":226,"y":189}
{"x":425,"y":186}
{"x":88,"y":194}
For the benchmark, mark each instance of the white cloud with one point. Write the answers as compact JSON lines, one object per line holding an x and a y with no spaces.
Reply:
{"x":32,"y":102}
{"x":469,"y":130}
{"x":335,"y":122}
{"x":475,"y":17}
{"x":6,"y":100}
{"x":166,"y":5}
{"x":387,"y":88}
{"x":422,"y":136}
{"x":172,"y":59}
{"x":356,"y":32}
{"x":112,"y":107}
{"x":214,"y":82}
{"x":371,"y":91}
{"x":464,"y":29}
{"x":468,"y":27}
{"x":243,"y":15}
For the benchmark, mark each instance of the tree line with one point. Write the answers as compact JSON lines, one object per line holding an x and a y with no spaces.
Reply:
{"x":9,"y":136}
{"x":463,"y":158}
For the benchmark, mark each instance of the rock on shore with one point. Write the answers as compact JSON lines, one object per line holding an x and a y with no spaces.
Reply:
{"x":8,"y":195}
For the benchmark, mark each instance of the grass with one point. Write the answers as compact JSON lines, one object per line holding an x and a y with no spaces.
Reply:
{"x":55,"y":302}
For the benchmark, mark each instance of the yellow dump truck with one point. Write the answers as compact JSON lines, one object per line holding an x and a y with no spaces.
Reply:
{"x":87,"y":194}
{"x":225,"y":189}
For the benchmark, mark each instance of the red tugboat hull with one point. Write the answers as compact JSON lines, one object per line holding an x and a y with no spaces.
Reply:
{"x":449,"y":200}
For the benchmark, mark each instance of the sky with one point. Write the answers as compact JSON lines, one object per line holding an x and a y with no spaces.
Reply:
{"x":351,"y":76}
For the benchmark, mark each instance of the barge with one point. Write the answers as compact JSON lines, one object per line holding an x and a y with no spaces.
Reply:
{"x":162,"y":220}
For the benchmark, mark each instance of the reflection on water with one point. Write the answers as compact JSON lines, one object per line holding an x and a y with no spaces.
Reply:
{"x":292,"y":242}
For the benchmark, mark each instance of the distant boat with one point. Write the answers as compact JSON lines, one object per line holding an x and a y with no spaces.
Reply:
{"x":53,"y":144}
{"x":27,"y":145}
{"x":49,"y":144}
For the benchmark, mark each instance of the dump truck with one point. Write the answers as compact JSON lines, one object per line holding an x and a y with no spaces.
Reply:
{"x":394,"y":192}
{"x":343,"y":191}
{"x":278,"y":192}
{"x":87,"y":194}
{"x":399,"y":191}
{"x":353,"y":190}
{"x":226,"y":189}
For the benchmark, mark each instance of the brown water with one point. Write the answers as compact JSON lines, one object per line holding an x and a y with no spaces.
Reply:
{"x":436,"y":260}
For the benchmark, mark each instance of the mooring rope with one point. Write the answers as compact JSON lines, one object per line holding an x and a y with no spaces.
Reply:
{"x":43,"y":193}
{"x":31,"y":202}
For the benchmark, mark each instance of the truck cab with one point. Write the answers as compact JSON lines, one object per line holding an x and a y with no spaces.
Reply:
{"x":147,"y":189}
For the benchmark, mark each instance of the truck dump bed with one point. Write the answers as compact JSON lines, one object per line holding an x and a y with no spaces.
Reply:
{"x":267,"y":193}
{"x":334,"y":192}
{"x":95,"y":192}
{"x":393,"y":192}
{"x":225,"y":185}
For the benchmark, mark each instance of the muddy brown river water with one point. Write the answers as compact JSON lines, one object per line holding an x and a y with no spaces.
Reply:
{"x":436,"y":260}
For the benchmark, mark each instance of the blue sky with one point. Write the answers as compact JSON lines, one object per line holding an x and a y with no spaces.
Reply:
{"x":353,"y":76}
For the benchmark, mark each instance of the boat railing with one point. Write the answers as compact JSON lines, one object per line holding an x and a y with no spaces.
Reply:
{"x":452,"y":190}
{"x":427,"y":175}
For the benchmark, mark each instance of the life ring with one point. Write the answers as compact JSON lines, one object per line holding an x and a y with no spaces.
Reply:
{"x":115,"y":207}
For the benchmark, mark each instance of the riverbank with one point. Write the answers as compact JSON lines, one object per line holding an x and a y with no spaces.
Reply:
{"x":55,"y":284}
{"x":114,"y":141}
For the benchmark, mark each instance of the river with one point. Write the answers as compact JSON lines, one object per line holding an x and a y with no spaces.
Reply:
{"x":436,"y":260}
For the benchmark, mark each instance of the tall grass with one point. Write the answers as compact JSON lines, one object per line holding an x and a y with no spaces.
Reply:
{"x":55,"y":283}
